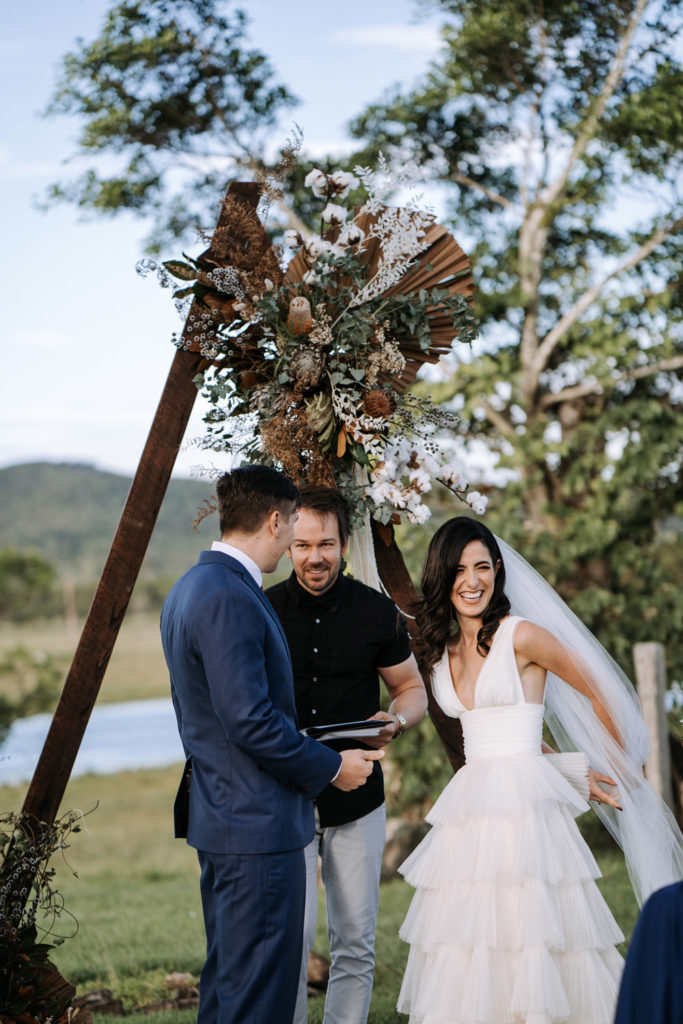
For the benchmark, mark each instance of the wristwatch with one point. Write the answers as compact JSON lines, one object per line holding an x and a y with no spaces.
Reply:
{"x":402,"y":724}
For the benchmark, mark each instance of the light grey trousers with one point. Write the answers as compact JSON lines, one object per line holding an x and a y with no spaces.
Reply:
{"x":351,"y":857}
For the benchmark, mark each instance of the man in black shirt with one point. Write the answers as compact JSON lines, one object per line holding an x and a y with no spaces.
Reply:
{"x":341,"y":634}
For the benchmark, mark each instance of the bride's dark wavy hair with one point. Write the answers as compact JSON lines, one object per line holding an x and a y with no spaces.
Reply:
{"x":434,"y":613}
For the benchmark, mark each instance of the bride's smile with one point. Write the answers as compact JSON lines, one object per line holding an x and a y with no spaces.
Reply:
{"x":474,"y":580}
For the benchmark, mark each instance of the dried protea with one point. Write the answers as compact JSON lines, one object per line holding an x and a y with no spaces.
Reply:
{"x":320,"y":416}
{"x":306,"y":366}
{"x":379,"y":404}
{"x":299,"y":318}
{"x":271,"y":400}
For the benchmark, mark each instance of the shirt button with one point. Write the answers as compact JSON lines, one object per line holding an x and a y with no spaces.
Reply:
{"x":315,"y":650}
{"x":314,"y":711}
{"x":315,"y":679}
{"x":318,"y":621}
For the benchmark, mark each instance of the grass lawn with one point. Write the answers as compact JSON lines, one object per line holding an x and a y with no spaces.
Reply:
{"x":136,"y":898}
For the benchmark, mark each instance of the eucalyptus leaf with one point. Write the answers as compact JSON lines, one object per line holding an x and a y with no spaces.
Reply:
{"x":183,"y":271}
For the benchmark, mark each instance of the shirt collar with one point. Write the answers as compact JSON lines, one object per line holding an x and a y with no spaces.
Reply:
{"x":329,"y":600}
{"x":242,"y":557}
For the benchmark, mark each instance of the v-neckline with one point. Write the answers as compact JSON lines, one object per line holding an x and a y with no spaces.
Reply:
{"x":479,"y":673}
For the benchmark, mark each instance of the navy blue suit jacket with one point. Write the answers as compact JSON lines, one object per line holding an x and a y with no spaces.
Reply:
{"x":254,"y":776}
{"x":652,"y":983}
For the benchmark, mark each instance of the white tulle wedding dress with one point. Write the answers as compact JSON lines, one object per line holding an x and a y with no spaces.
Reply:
{"x":507,"y":925}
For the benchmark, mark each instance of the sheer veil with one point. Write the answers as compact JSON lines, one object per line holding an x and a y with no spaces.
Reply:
{"x":645,"y":828}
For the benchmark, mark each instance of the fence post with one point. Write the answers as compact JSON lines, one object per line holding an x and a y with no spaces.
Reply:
{"x":650,"y":666}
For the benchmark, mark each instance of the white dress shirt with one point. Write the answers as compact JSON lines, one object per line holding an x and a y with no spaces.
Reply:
{"x":244,"y":559}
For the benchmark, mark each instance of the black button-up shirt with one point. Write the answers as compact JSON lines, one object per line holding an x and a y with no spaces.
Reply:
{"x":338,"y":640}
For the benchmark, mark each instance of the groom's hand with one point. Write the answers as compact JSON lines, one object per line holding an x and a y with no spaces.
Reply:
{"x":355,"y":768}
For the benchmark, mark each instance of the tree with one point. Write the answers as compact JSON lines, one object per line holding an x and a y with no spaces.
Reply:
{"x":557,"y":131}
{"x":29,"y":684}
{"x":171,"y":90}
{"x":27,"y":585}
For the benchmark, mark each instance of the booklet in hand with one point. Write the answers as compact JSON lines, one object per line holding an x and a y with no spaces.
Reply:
{"x":345,"y":730}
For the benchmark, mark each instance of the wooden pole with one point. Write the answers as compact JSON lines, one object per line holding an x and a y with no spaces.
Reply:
{"x":116,"y":584}
{"x":650,"y":666}
{"x":127,"y":550}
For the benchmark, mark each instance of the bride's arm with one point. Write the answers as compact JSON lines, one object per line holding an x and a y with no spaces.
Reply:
{"x":537,"y":646}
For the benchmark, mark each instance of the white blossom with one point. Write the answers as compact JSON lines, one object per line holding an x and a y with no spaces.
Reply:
{"x":452,"y":476}
{"x":342,"y":181}
{"x":310,"y":277}
{"x":318,"y":247}
{"x":317,"y":181}
{"x":334,"y":214}
{"x":420,"y":480}
{"x":351,"y":234}
{"x":292,"y":239}
{"x":420,"y":514}
{"x":477,"y":502}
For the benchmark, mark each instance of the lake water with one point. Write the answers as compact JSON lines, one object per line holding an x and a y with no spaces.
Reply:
{"x":119,"y":737}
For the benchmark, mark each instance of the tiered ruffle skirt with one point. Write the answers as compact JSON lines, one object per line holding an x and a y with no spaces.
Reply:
{"x":507,"y":925}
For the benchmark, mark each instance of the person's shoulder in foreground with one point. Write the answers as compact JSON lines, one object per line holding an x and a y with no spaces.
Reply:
{"x":652,"y":983}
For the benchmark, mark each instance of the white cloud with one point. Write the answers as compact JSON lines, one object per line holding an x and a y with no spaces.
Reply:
{"x":402,"y":38}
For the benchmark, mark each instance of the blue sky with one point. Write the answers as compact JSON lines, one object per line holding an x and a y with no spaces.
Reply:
{"x":85,"y":341}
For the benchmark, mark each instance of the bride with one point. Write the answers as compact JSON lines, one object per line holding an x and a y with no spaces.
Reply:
{"x":507,"y":925}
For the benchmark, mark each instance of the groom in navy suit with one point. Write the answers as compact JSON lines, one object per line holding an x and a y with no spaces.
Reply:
{"x":246,"y":797}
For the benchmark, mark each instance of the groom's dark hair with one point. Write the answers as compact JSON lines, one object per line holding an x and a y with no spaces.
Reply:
{"x":246,"y":497}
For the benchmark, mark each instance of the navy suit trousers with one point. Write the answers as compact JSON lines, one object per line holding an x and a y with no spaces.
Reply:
{"x":253,"y":914}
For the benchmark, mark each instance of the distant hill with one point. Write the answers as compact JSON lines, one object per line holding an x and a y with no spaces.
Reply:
{"x":69,"y":512}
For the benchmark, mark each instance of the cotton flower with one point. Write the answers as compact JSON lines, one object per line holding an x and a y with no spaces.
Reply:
{"x":310,"y":277}
{"x":351,"y":234}
{"x":318,"y":247}
{"x":420,"y":480}
{"x":420,"y":514}
{"x":317,"y":181}
{"x":477,"y":502}
{"x":333,"y":214}
{"x":342,"y":181}
{"x":452,"y":477}
{"x":293,"y":239}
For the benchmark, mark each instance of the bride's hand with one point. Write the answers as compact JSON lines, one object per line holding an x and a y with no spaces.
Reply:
{"x":600,"y":795}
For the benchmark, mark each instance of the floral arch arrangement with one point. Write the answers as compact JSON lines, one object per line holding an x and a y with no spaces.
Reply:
{"x":310,"y":361}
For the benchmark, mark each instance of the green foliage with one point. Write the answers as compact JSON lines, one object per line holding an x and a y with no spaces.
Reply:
{"x":166,"y":86}
{"x":543,"y":124}
{"x":29,"y":684}
{"x":27,"y":585}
